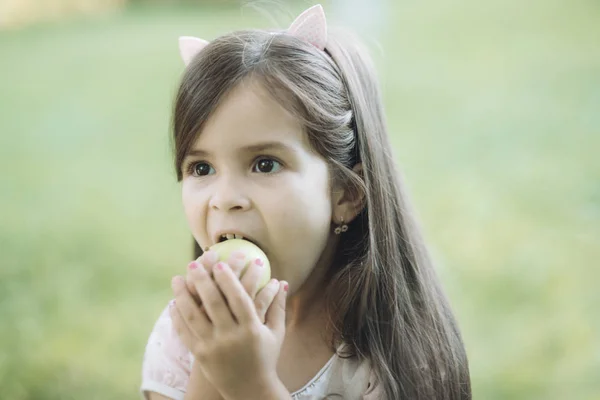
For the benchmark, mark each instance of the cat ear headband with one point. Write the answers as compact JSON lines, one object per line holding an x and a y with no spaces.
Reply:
{"x":309,"y":26}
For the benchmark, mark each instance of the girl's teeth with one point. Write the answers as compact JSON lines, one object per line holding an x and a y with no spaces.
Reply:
{"x":227,"y":236}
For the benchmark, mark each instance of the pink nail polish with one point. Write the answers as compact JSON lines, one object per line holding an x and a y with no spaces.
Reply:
{"x":210,"y":257}
{"x":220,"y":266}
{"x":193,"y":265}
{"x":259,"y":262}
{"x":175,"y":281}
{"x":285,"y":287}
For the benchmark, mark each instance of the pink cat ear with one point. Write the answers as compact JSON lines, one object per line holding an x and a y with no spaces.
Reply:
{"x":311,"y":27}
{"x":189,"y":47}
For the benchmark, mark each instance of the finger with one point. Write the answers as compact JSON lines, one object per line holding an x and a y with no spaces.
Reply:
{"x":183,"y":332}
{"x":190,"y":285}
{"x":194,"y":317}
{"x":275,"y":318}
{"x":251,"y":277}
{"x":237,"y":262}
{"x":239,"y":301}
{"x":264,"y":298}
{"x":212,"y":299}
{"x":207,"y":260}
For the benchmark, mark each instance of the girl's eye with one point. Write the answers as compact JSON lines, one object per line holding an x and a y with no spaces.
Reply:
{"x":201,"y":169}
{"x":266,"y":166}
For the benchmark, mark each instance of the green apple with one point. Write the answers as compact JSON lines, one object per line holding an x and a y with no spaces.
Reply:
{"x":251,"y":252}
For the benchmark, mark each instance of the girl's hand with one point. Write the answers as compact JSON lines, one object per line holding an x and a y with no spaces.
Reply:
{"x":249,"y":280}
{"x":199,"y":386}
{"x":237,"y":352}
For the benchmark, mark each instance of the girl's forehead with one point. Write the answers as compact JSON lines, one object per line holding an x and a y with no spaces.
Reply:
{"x":250,"y":103}
{"x":249,"y":115}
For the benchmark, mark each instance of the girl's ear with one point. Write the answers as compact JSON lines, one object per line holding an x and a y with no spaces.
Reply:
{"x":348,"y":200}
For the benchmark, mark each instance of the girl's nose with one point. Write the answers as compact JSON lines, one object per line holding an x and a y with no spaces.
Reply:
{"x":229,"y":196}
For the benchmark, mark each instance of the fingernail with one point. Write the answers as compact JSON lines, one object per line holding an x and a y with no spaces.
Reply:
{"x":210,"y":257}
{"x":259,"y":262}
{"x":285,"y":287}
{"x":237,"y":260}
{"x":175,"y":281}
{"x":220,"y":266}
{"x":193,"y":265}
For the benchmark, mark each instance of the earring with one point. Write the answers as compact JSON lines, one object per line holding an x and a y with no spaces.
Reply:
{"x":341,"y":228}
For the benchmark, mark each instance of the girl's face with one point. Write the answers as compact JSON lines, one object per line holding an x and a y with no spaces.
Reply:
{"x":252,"y":172}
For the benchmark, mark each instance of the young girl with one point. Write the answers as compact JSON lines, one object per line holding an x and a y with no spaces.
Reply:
{"x":280,"y":137}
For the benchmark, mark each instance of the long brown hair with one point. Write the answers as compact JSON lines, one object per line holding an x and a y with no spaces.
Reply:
{"x":385,"y":301}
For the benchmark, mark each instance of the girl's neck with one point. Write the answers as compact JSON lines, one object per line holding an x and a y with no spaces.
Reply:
{"x":306,"y":307}
{"x":303,"y":314}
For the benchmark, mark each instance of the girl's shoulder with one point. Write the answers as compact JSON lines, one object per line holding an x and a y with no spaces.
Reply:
{"x":167,"y":362}
{"x":350,"y":378}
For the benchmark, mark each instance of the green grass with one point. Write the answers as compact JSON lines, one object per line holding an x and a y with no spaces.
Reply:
{"x":494,"y":110}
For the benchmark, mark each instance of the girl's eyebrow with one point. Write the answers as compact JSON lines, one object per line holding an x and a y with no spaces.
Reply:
{"x":253,"y":148}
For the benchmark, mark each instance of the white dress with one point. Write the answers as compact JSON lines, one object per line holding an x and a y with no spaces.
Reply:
{"x":167,"y":366}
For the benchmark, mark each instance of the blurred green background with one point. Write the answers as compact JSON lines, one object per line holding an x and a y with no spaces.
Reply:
{"x":494,"y":108}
